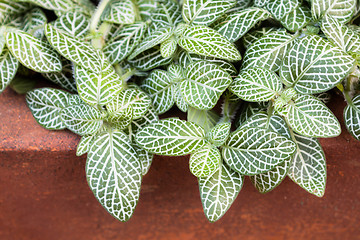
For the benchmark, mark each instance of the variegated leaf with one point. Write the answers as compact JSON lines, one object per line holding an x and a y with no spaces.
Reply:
{"x":64,"y":78}
{"x":84,"y":145}
{"x":342,"y":10}
{"x":280,"y":8}
{"x":186,"y":58}
{"x":149,"y":59}
{"x":204,"y":84}
{"x":260,"y":3}
{"x":252,"y":36}
{"x":118,"y":48}
{"x":129,"y":98}
{"x":32,"y":52}
{"x":235,"y":25}
{"x":55,"y":5}
{"x":74,"y":23}
{"x":248,"y":109}
{"x":310,"y":117}
{"x":149,"y":117}
{"x":167,"y":13}
{"x":256,"y":85}
{"x":240,"y":5}
{"x":218,"y":134}
{"x":46,"y":104}
{"x":179,"y":98}
{"x":34,"y":22}
{"x":151,"y":40}
{"x":267,"y":181}
{"x":146,"y":7}
{"x":204,"y":118}
{"x":218,"y":191}
{"x":352,"y":117}
{"x":8,"y":67}
{"x":82,"y":119}
{"x":313,"y":65}
{"x":204,"y":12}
{"x":208,"y":42}
{"x":79,"y":52}
{"x":268,"y":51}
{"x":120,"y":12}
{"x":172,"y":137}
{"x":145,"y":158}
{"x":98,"y":88}
{"x":297,"y":19}
{"x":252,"y":151}
{"x":168,"y":47}
{"x":9,"y":7}
{"x":14,"y":20}
{"x":205,"y":161}
{"x":114,"y":173}
{"x":158,"y":86}
{"x":308,"y":167}
{"x":340,"y":34}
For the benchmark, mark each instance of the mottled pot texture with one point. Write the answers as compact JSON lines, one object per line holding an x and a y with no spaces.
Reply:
{"x":44,"y":193}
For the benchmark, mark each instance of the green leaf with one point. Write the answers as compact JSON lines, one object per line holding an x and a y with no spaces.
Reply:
{"x":120,"y":12}
{"x":280,"y":8}
{"x":204,"y":84}
{"x":205,"y":161}
{"x":22,"y":85}
{"x":208,"y":42}
{"x":172,"y":137}
{"x":151,"y":40}
{"x":129,"y":98}
{"x":34,"y":22}
{"x":98,"y":88}
{"x":158,"y":86}
{"x":167,"y":13}
{"x":218,"y":134}
{"x":168,"y":47}
{"x":251,"y":151}
{"x":310,"y":117}
{"x":64,"y":78}
{"x":268,"y":51}
{"x":342,"y":10}
{"x":352,"y":117}
{"x":114,"y":174}
{"x":74,"y":23}
{"x":256,"y":85}
{"x":55,"y":5}
{"x":340,"y":34}
{"x":204,"y":118}
{"x":145,"y":158}
{"x":235,"y":25}
{"x":149,"y":59}
{"x":204,"y":12}
{"x":308,"y":167}
{"x":137,"y":124}
{"x":313,"y":65}
{"x":8,"y":8}
{"x":267,"y":181}
{"x":79,"y":52}
{"x":146,"y":8}
{"x":252,"y":36}
{"x":297,"y":19}
{"x":218,"y":191}
{"x":82,"y":119}
{"x":85,"y":144}
{"x":250,"y":108}
{"x":118,"y":48}
{"x":32,"y":52}
{"x":8,"y":68}
{"x":46,"y":104}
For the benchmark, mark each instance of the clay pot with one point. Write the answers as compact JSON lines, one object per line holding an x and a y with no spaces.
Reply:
{"x":44,"y":193}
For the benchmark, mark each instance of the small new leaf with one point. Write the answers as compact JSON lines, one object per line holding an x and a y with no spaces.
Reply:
{"x":205,"y":161}
{"x":352,"y":117}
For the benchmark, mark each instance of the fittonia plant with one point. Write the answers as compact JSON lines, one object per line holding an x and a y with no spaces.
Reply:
{"x":126,"y":61}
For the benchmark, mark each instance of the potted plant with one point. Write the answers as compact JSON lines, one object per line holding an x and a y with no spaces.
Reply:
{"x":252,"y":77}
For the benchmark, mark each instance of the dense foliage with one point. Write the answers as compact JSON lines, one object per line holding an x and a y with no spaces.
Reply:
{"x":125,"y":62}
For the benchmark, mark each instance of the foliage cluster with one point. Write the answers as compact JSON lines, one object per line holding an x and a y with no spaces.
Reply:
{"x":123,"y":63}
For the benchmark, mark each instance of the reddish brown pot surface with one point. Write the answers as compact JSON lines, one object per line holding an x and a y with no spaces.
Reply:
{"x":44,"y":193}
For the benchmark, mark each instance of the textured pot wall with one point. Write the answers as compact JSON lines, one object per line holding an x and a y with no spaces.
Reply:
{"x":44,"y":193}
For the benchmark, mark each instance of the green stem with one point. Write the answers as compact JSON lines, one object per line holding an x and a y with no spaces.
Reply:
{"x":97,"y":15}
{"x":270,"y":112}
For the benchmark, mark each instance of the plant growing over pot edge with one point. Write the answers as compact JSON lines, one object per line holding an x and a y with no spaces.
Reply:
{"x":125,"y":62}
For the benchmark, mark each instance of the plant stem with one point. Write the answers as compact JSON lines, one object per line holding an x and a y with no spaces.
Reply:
{"x":97,"y":15}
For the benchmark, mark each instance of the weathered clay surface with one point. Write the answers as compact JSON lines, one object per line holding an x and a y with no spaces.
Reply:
{"x":44,"y":194}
